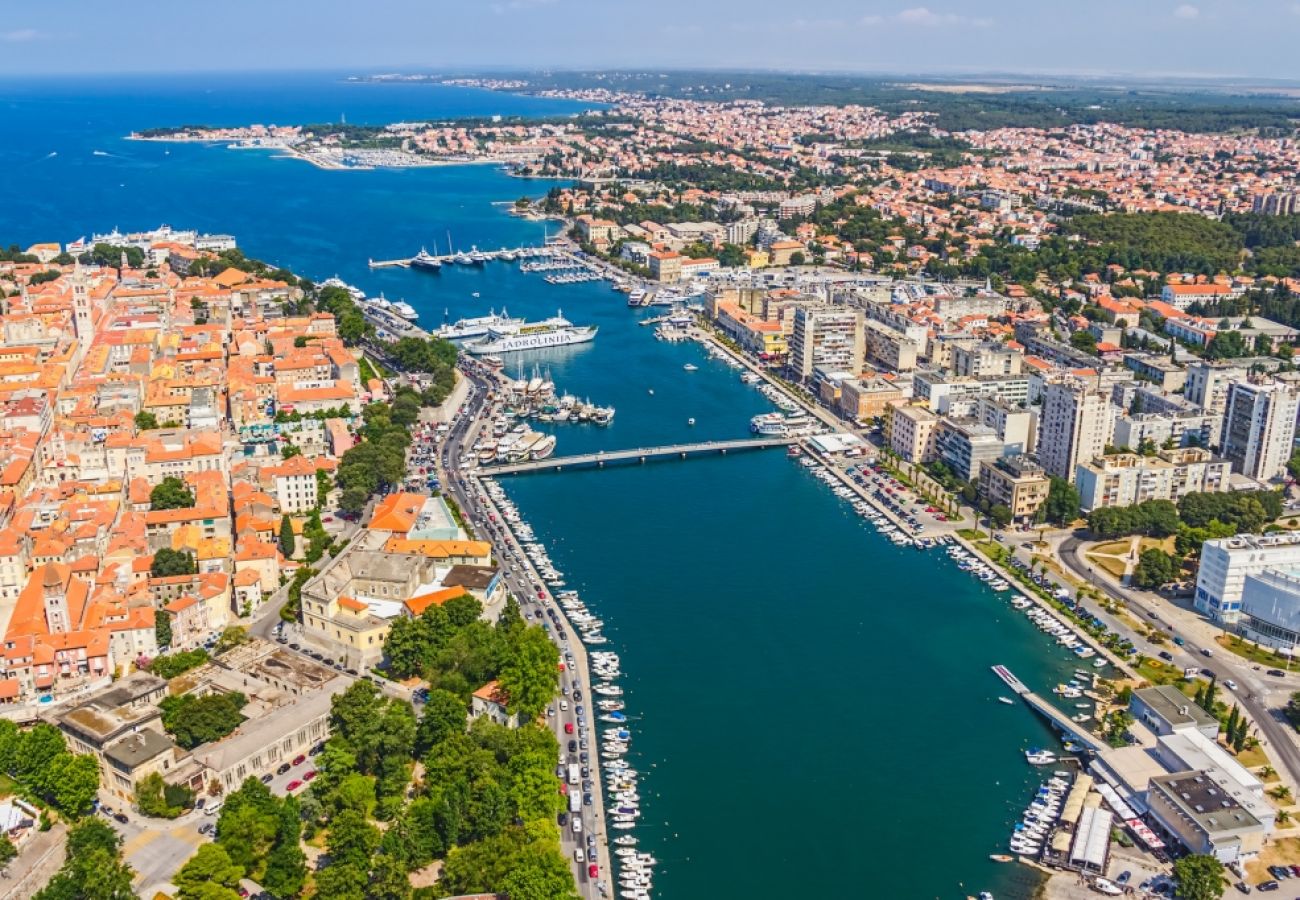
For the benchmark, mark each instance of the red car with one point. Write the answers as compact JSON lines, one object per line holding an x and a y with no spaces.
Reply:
{"x":568,"y":728}
{"x":309,"y":776}
{"x":299,"y":759}
{"x":541,"y":595}
{"x":293,"y":785}
{"x":593,"y":871}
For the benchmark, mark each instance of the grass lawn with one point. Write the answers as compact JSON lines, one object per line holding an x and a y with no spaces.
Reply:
{"x":1247,"y":650}
{"x":8,"y":787}
{"x":972,"y":534}
{"x":1253,"y":759}
{"x":1115,"y":567}
{"x":1157,"y":671}
{"x":1112,"y":548}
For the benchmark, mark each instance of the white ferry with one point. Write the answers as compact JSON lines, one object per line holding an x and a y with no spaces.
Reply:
{"x":405,"y":310}
{"x":781,"y":425}
{"x":478,"y":326}
{"x":553,"y":332}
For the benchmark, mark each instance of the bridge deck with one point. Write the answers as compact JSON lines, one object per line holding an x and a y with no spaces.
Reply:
{"x":640,"y":454}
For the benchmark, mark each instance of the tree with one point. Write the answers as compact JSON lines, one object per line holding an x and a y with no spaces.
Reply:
{"x":162,"y":627}
{"x":1155,"y":567}
{"x":1200,"y":877}
{"x":286,"y":536}
{"x":195,"y":720}
{"x":93,"y":868}
{"x":209,"y":868}
{"x":231,"y":636}
{"x":151,"y":798}
{"x":168,"y":562}
{"x":340,"y":882}
{"x":7,"y":851}
{"x":798,"y":258}
{"x":286,"y":866}
{"x":528,"y":676}
{"x":145,"y":420}
{"x":249,"y":824}
{"x":444,"y":715}
{"x":1000,"y":515}
{"x":351,"y":840}
{"x":171,"y":493}
{"x":1062,"y":503}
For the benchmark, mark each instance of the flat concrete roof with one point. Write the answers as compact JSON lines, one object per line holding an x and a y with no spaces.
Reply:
{"x":1174,"y":706}
{"x":1204,"y":800}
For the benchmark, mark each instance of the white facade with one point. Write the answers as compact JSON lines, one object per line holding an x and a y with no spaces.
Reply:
{"x":1076,"y":425}
{"x":1259,"y":428}
{"x":1123,"y":479}
{"x":1225,"y":563}
{"x":826,"y":337}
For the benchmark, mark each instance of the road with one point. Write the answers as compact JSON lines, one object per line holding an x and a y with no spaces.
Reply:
{"x":526,"y":585}
{"x":1253,"y":686}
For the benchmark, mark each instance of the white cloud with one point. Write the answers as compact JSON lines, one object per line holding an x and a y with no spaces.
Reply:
{"x":924,"y":17}
{"x":20,"y":36}
{"x":1187,"y":12}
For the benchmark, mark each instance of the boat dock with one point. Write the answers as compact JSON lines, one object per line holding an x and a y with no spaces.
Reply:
{"x":448,"y":259}
{"x":641,"y":454}
{"x":1063,"y":723}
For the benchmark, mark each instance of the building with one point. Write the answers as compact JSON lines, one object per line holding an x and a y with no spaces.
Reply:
{"x":1157,"y":369}
{"x":892,"y":350}
{"x":121,"y":727}
{"x":826,"y":337}
{"x":1259,"y":427}
{"x":1196,"y":811}
{"x":1076,"y":425}
{"x":1123,"y":479}
{"x":294,"y":484}
{"x":964,"y":445}
{"x":985,"y":360}
{"x":1270,"y":608}
{"x":1016,"y":482}
{"x":492,"y":703}
{"x":1179,"y":428}
{"x":909,"y":432}
{"x":1166,"y":710}
{"x":666,"y":266}
{"x":1207,"y":385}
{"x":940,"y":389}
{"x":1282,"y":203}
{"x":868,"y":398}
{"x":1181,"y":296}
{"x":1225,"y":563}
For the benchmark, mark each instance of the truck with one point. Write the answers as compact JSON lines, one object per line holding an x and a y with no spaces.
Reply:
{"x":575,"y":802}
{"x":575,"y":773}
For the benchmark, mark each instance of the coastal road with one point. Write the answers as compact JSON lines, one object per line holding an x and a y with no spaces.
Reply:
{"x":525,"y":584}
{"x":1253,"y":689}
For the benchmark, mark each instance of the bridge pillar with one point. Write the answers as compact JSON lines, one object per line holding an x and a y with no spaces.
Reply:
{"x":683,"y":454}
{"x":600,"y":464}
{"x":642,"y":458}
{"x":724,"y":451}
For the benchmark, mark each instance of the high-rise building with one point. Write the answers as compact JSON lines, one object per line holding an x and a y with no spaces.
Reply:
{"x":1076,"y":426}
{"x":1207,"y":384}
{"x":1259,"y":427}
{"x":826,"y":337}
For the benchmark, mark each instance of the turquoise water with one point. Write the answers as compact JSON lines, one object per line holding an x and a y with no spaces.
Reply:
{"x":813,"y":708}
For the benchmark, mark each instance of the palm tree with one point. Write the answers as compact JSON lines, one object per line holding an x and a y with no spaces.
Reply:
{"x":1267,"y":772}
{"x":1281,"y":792}
{"x":1283,"y":817}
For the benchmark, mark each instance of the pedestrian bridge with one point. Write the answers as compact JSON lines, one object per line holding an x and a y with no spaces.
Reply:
{"x":638,"y":455}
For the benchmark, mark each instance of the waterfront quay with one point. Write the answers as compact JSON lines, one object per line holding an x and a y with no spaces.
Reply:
{"x":535,"y":601}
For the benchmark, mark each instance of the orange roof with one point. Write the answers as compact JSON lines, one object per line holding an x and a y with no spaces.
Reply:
{"x":417,"y":605}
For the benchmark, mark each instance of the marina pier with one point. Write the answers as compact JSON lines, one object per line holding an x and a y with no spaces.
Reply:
{"x":1074,"y":730}
{"x":641,"y":454}
{"x":448,"y":259}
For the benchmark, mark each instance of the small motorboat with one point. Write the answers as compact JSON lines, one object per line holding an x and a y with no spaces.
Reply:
{"x":1001,"y":857}
{"x":1007,"y":700}
{"x":690,"y":421}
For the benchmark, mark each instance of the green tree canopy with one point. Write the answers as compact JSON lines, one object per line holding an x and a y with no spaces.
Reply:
{"x":1200,"y":877}
{"x":168,"y":562}
{"x":171,"y":493}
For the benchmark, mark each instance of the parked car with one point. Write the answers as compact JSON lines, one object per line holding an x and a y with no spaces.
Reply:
{"x":293,"y":785}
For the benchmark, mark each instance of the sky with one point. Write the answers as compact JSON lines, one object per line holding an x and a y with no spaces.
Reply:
{"x":1095,"y":37}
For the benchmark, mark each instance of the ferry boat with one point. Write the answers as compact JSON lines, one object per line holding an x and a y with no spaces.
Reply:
{"x":405,"y":310}
{"x":554,"y":332}
{"x":636,"y":297}
{"x":426,"y":260}
{"x":478,"y":326}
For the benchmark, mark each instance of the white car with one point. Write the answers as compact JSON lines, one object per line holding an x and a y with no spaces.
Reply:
{"x":564,"y":706}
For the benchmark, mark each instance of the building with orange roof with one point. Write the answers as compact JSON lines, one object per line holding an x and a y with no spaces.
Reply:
{"x":493,"y":703}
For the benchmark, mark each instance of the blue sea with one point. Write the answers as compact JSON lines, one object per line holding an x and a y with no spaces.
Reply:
{"x":812,"y":707}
